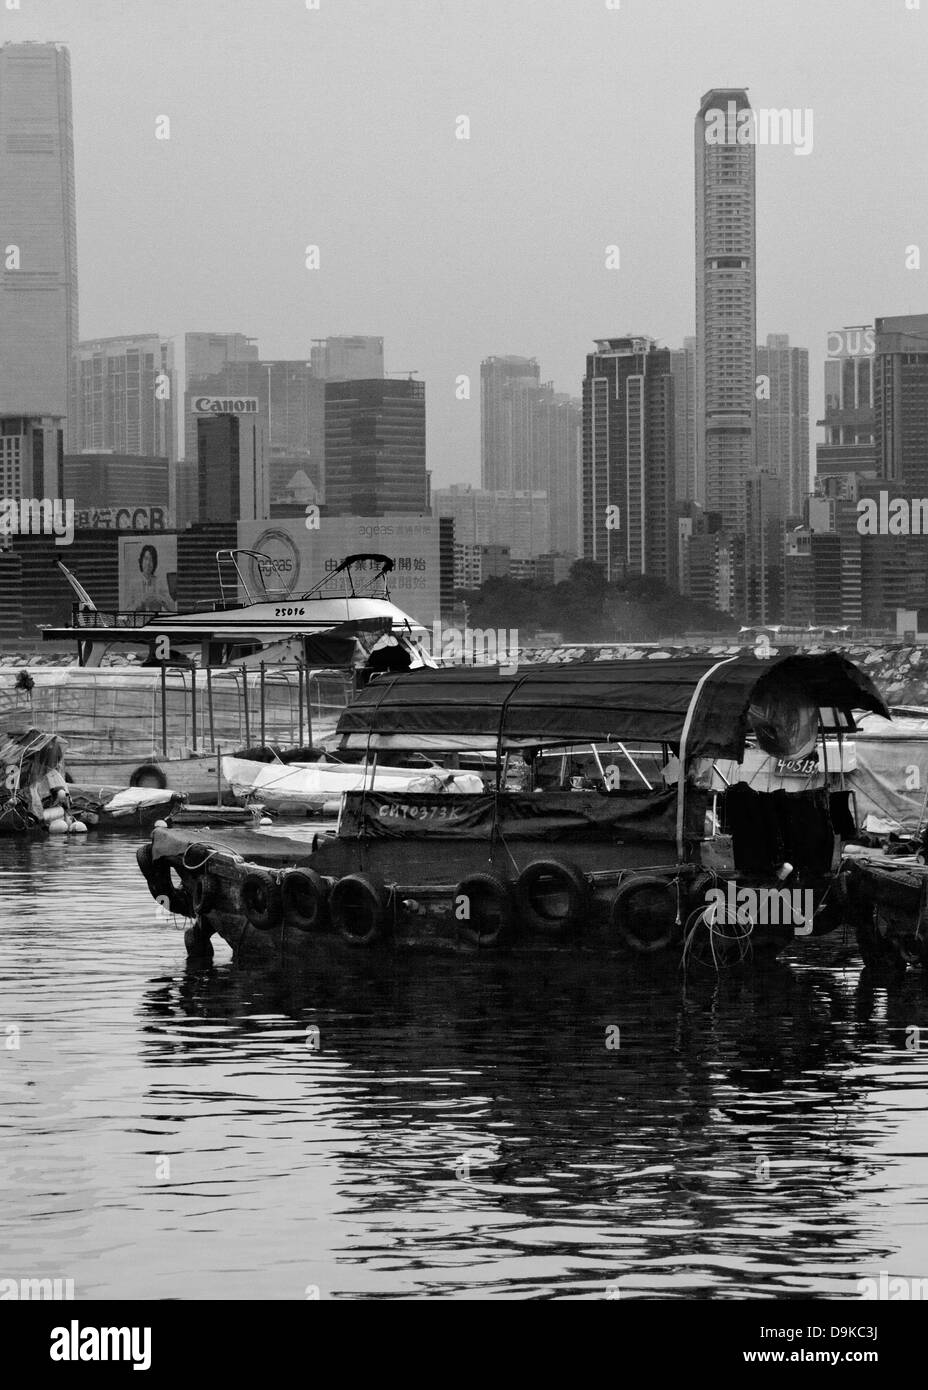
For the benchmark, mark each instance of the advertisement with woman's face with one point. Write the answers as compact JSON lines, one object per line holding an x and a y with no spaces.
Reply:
{"x":148,"y":575}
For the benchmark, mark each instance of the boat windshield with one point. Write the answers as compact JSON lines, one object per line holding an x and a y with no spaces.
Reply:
{"x":248,"y":572}
{"x":357,"y":576}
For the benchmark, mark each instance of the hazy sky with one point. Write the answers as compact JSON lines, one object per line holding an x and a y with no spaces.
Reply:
{"x":336,"y":127}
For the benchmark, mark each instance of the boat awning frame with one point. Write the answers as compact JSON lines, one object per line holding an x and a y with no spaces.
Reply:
{"x":655,"y":701}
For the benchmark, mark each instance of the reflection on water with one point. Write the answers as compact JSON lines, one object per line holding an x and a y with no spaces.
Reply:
{"x":438,"y":1128}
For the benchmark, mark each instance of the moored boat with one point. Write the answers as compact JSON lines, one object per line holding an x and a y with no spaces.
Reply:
{"x":623,"y":814}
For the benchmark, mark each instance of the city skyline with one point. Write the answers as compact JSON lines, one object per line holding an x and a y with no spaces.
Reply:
{"x":420,"y":259}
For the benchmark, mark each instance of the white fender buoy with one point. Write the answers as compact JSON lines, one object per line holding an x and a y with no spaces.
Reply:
{"x":57,"y":827}
{"x":265,"y":820}
{"x":78,"y":828}
{"x":160,"y":825}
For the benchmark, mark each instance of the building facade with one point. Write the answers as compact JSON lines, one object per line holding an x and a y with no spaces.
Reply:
{"x":207,"y":354}
{"x":375,"y":447}
{"x":233,"y":482}
{"x":848,"y":445}
{"x":628,"y":474}
{"x":38,"y":236}
{"x":782,"y":397}
{"x":683,"y":367}
{"x":125,"y":396}
{"x":347,"y":359}
{"x":506,"y":403}
{"x":291,"y":402}
{"x":900,"y":392}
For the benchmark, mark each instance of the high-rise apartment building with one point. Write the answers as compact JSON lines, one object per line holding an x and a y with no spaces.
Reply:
{"x":627,"y":482}
{"x":125,"y":396}
{"x":38,"y":234}
{"x":726,"y":295}
{"x":782,"y":396}
{"x":375,"y":447}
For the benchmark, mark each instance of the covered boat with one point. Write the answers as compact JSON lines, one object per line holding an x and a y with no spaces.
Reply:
{"x":621,"y":811}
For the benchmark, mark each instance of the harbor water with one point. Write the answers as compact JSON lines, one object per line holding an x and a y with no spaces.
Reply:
{"x":420,"y":1128}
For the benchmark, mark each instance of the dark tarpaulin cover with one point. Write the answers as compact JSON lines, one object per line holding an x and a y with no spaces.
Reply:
{"x":597,"y":701}
{"x":557,"y":816}
{"x":274,"y":851}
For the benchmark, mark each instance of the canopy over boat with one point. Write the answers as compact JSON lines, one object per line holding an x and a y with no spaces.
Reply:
{"x":707,"y":705}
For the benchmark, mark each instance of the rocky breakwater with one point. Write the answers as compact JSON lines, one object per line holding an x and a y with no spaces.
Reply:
{"x":900,"y":672}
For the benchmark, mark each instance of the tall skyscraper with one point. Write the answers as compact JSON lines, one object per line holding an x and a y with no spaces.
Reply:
{"x":783,"y":418}
{"x":901,"y":400}
{"x":627,"y":484}
{"x":375,"y":447}
{"x":125,"y":396}
{"x":347,"y":359}
{"x":38,"y":234}
{"x":726,"y":296}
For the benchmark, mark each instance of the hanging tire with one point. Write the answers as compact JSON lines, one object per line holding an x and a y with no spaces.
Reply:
{"x":202,"y":894}
{"x":552,"y":897}
{"x":148,"y":772}
{"x":305,"y":897}
{"x":487,"y":901}
{"x":359,"y":906}
{"x":261,"y":904}
{"x":643,"y":915}
{"x":157,"y":874}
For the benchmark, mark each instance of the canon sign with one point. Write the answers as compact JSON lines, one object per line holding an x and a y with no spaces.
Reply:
{"x":851,"y":342}
{"x":225,"y":405}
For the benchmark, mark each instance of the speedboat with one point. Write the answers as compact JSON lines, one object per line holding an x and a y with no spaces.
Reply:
{"x":336,"y":623}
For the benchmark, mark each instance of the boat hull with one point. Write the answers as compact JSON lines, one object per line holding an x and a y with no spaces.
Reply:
{"x":424,"y":900}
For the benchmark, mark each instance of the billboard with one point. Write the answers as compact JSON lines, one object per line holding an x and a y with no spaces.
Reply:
{"x":298,"y":556}
{"x":148,"y":574}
